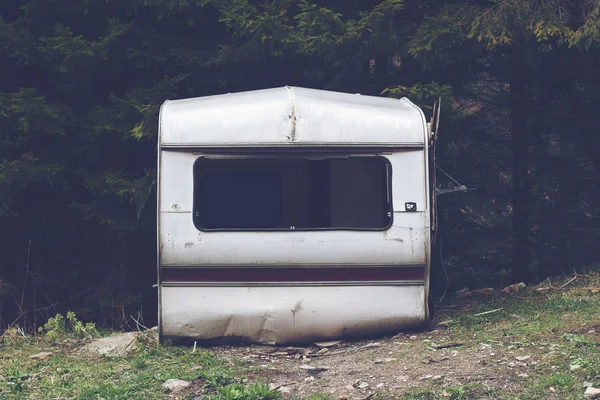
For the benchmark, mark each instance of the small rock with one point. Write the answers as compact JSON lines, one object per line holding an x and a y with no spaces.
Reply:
{"x":328,"y":344}
{"x":587,"y":384}
{"x":43,"y":354}
{"x":523,"y":375}
{"x":389,"y":360}
{"x":309,"y":379}
{"x":413,"y":337}
{"x":592,"y":392}
{"x":574,"y":367}
{"x":363,"y":385}
{"x":462,"y":291}
{"x":323,"y":350}
{"x":176,"y":385}
{"x":422,"y":378}
{"x":284,"y":389}
{"x":523,"y":358}
{"x":435,"y":378}
{"x":376,"y":344}
{"x":380,"y":385}
{"x":113,"y":346}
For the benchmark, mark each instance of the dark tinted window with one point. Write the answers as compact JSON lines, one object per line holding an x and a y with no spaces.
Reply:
{"x":265,"y":194}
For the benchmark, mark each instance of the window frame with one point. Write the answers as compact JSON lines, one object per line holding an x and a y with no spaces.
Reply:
{"x":388,"y":196}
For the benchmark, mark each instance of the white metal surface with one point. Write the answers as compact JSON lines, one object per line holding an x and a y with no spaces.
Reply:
{"x":182,"y":244}
{"x":280,"y":315}
{"x":291,"y":116}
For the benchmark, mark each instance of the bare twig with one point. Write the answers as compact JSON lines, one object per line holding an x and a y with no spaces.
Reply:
{"x":447,"y":345}
{"x":138,"y":323}
{"x":570,"y":280}
{"x":487,"y":312}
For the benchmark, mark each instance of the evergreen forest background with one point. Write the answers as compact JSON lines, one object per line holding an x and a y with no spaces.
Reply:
{"x":81,"y":83}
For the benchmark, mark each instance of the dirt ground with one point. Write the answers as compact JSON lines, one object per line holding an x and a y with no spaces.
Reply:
{"x":386,"y":367}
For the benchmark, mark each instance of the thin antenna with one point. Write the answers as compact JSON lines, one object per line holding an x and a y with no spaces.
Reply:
{"x":439,"y":108}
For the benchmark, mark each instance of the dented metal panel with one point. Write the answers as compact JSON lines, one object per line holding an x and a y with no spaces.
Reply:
{"x":290,"y":116}
{"x":292,"y":286}
{"x":282,"y":315}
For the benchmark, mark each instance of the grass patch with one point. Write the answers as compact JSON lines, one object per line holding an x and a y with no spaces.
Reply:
{"x":461,"y":392}
{"x":537,"y":345}
{"x":69,"y":374}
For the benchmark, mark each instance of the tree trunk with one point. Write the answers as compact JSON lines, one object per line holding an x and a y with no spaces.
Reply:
{"x":520,"y":192}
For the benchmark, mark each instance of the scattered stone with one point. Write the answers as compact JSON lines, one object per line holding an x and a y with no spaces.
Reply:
{"x":284,"y":389}
{"x":376,"y":344}
{"x":380,"y":385}
{"x":43,"y":354}
{"x":328,"y":344}
{"x":363,"y":385}
{"x":574,"y":367}
{"x":524,"y":375}
{"x":587,"y":384}
{"x":176,"y":385}
{"x":309,"y":379}
{"x":592,"y":392}
{"x":437,"y":377}
{"x":112,"y":346}
{"x":323,"y":351}
{"x":422,"y":378}
{"x":523,"y":358}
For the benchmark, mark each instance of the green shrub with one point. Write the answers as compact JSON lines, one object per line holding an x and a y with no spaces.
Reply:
{"x":60,"y":326}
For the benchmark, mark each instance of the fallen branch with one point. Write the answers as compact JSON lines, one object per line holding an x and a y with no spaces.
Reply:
{"x":272,"y":386}
{"x":570,"y":280}
{"x":487,"y":312}
{"x":447,"y":345}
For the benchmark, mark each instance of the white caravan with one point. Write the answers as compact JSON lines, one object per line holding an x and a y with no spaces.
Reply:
{"x":292,"y":215}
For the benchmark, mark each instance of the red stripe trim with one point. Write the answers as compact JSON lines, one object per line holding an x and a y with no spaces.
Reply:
{"x":293,"y":274}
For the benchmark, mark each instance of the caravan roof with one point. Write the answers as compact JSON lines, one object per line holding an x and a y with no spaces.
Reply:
{"x":291,"y":117}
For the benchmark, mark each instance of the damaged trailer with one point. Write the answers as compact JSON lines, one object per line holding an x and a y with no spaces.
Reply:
{"x":292,"y":215}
